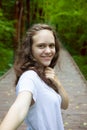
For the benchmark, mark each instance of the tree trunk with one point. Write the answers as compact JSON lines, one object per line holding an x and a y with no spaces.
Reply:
{"x":0,"y":4}
{"x":18,"y":23}
{"x":28,"y":12}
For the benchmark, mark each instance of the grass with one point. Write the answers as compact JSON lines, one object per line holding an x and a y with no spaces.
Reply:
{"x":82,"y":64}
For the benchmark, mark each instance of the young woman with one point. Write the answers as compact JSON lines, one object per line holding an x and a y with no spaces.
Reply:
{"x":40,"y":95}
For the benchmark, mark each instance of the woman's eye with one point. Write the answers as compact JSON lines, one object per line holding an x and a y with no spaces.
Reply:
{"x":52,"y":46}
{"x":41,"y":46}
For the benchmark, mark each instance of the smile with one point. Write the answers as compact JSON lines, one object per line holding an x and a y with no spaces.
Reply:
{"x":47,"y":58}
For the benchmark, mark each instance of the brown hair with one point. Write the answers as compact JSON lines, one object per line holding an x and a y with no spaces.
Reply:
{"x":25,"y":60}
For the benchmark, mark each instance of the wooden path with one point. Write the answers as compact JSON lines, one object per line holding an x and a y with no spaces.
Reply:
{"x":75,"y":117}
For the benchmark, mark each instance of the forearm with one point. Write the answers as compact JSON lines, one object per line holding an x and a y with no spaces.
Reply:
{"x":12,"y":120}
{"x":17,"y":112}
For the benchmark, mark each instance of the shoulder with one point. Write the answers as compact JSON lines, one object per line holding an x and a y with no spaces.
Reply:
{"x":29,"y":74}
{"x":27,"y":82}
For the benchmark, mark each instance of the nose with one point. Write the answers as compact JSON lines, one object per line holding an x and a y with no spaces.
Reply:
{"x":47,"y":49}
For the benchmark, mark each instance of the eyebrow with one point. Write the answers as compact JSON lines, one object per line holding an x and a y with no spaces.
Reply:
{"x":45,"y":43}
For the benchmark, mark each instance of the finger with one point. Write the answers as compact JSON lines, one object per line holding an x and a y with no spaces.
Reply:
{"x":48,"y":69}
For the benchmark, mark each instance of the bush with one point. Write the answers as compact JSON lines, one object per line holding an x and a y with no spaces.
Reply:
{"x":82,"y":63}
{"x":6,"y":60}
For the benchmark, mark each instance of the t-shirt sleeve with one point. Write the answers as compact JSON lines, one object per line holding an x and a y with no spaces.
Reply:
{"x":26,"y":83}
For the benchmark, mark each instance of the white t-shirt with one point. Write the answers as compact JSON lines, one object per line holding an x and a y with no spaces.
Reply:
{"x":45,"y":113}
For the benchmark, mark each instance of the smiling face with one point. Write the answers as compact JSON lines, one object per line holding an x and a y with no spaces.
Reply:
{"x":43,"y":48}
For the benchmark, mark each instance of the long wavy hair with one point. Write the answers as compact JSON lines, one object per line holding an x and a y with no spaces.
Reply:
{"x":25,"y":60}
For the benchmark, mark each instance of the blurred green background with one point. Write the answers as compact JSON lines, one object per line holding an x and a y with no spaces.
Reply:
{"x":68,"y":17}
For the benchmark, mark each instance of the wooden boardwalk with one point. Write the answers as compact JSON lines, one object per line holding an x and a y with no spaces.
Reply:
{"x":75,"y":117}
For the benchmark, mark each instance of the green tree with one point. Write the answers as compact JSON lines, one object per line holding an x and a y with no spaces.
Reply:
{"x":69,"y":17}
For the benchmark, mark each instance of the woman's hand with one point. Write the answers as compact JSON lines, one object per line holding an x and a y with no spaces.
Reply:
{"x":50,"y":74}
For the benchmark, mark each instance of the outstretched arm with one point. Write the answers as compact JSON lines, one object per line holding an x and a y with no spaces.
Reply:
{"x":50,"y":74}
{"x":17,"y":112}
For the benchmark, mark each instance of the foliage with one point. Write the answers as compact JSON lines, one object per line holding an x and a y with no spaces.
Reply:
{"x":82,"y":63}
{"x":6,"y":59}
{"x":6,"y":36}
{"x":6,"y":31}
{"x":69,"y":17}
{"x":8,"y":9}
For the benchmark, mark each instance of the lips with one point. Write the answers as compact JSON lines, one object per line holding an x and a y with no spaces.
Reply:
{"x":47,"y":58}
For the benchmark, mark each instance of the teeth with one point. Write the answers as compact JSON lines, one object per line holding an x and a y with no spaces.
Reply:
{"x":47,"y":56}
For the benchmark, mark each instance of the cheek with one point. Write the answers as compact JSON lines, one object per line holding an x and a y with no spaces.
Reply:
{"x":35,"y":53}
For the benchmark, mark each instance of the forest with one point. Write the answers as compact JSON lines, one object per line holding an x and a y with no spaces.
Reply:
{"x":68,"y":17}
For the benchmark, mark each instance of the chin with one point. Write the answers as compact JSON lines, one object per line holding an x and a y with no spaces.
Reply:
{"x":46,"y":65}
